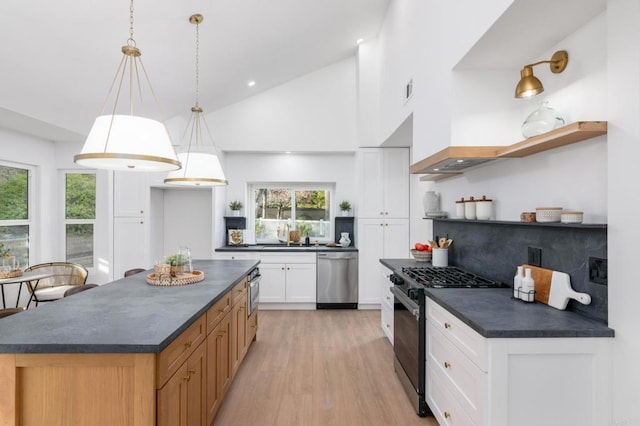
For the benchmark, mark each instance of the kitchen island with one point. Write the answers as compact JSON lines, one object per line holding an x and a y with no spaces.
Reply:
{"x":128,"y":353}
{"x":495,"y":361}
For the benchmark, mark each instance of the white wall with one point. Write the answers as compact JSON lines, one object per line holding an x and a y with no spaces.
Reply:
{"x":339,"y":168}
{"x":316,"y":112}
{"x":623,"y":91}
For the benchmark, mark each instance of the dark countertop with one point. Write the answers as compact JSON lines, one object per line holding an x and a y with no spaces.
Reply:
{"x":124,"y":316}
{"x":276,"y":248}
{"x":494,"y":314}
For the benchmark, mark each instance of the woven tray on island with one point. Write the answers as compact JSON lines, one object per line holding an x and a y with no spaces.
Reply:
{"x":11,"y":274}
{"x":168,"y":280}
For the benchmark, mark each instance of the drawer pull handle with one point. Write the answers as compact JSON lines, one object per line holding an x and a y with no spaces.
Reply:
{"x":388,"y":298}
{"x":220,"y":310}
{"x":388,"y":326}
{"x":447,"y":415}
{"x":447,"y":325}
{"x":241,"y":308}
{"x":447,"y":365}
{"x":253,"y":326}
{"x":188,"y":344}
{"x":187,"y":377}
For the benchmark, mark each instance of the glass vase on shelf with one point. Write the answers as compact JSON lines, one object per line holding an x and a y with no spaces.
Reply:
{"x":542,"y":120}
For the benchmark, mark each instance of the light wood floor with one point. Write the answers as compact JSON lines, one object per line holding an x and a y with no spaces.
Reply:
{"x":327,"y":367}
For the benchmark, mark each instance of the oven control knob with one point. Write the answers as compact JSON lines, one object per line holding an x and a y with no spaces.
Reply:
{"x":414,"y":294}
{"x":396,"y":279}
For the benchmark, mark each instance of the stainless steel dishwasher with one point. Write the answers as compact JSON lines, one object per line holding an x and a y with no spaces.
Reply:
{"x":337,"y":284}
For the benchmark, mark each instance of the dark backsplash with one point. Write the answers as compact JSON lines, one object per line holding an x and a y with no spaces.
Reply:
{"x":494,"y":249}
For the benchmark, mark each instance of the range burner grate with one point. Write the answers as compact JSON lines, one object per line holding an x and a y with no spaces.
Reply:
{"x":449,"y":277}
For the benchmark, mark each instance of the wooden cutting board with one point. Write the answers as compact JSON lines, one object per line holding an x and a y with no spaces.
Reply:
{"x":542,"y":278}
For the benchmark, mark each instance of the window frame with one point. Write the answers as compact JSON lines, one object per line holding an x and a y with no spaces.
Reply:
{"x":63,"y":213}
{"x":31,"y":208}
{"x":293,"y":187}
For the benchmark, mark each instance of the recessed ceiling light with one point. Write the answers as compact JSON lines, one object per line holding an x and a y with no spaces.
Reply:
{"x":251,"y":83}
{"x":358,"y":41}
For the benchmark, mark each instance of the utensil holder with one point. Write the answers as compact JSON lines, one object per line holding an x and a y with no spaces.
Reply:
{"x":440,"y":257}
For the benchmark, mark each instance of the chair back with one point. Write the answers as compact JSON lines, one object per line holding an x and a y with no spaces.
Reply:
{"x":63,"y":273}
{"x":79,"y":289}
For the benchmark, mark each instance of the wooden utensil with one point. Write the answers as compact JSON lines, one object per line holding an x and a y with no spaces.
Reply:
{"x":442,"y":241}
{"x":433,"y":244}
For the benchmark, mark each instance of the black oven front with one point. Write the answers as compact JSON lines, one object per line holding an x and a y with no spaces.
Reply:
{"x":409,"y":323}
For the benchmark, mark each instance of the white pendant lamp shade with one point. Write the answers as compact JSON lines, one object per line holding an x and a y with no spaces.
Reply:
{"x":198,"y":169}
{"x":127,"y":142}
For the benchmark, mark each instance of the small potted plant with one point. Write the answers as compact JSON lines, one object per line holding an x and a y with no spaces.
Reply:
{"x":235,"y":207}
{"x":176,"y":263}
{"x":345,"y":208}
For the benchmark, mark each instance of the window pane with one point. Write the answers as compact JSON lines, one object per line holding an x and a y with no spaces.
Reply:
{"x":80,"y":244}
{"x":273,"y":209}
{"x":14,"y":193}
{"x":80,"y":196}
{"x":16,"y":240}
{"x":313,"y":213}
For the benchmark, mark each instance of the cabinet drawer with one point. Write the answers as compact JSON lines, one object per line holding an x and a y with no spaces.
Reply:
{"x":463,"y":337}
{"x":386,"y":319}
{"x":446,"y":408}
{"x":288,"y":257}
{"x":464,"y":379}
{"x":218,"y":311}
{"x":252,"y":326}
{"x":239,"y":292}
{"x":172,"y":357}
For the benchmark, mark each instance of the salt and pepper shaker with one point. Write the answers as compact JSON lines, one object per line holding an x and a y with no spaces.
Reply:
{"x":528,"y":286}
{"x":517,"y":282}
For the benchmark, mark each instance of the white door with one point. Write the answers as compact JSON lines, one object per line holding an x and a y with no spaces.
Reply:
{"x":129,"y":245}
{"x":396,"y":239}
{"x":300,"y":283}
{"x":272,"y":285}
{"x":395,"y":184}
{"x":370,"y":250}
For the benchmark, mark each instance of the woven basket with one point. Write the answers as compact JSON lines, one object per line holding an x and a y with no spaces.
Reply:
{"x":166,"y":279}
{"x":421,"y":256}
{"x":11,"y":274}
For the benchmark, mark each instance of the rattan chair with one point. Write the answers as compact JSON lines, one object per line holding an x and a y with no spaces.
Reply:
{"x":133,"y":272}
{"x":65,"y":275}
{"x":10,"y":311}
{"x":78,"y":289}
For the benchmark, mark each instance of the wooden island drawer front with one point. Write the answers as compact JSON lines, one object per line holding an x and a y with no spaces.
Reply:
{"x":217,"y":312}
{"x":465,"y":380}
{"x":464,"y":337}
{"x":170,"y":359}
{"x":239,"y":292}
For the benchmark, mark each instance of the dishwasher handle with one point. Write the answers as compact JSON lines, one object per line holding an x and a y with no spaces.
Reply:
{"x":325,"y":256}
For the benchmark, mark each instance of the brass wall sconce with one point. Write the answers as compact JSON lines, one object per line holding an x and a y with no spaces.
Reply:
{"x":529,"y":85}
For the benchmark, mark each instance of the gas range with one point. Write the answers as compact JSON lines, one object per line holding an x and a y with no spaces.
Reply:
{"x":415,"y":279}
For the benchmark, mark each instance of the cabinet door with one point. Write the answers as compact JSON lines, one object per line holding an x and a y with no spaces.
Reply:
{"x":172,"y":400}
{"x":218,"y":366}
{"x":197,"y":387}
{"x":300,"y":283}
{"x":370,"y":246}
{"x":129,"y":245}
{"x":396,"y":239}
{"x":238,"y":334}
{"x":130,"y":193}
{"x":252,"y":328}
{"x":272,"y":285}
{"x":370,"y":202}
{"x":395,"y":182}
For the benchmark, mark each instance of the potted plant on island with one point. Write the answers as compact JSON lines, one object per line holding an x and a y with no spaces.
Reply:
{"x":176,"y":263}
{"x":345,"y":208}
{"x":235,"y":207}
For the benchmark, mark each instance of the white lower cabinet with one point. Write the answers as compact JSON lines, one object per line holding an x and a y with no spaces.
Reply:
{"x":386,"y":307}
{"x":288,"y":281}
{"x":129,"y":245}
{"x":472,"y":380}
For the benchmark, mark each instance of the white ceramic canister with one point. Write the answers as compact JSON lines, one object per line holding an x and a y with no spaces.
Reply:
{"x":484,"y":208}
{"x":440,"y":257}
{"x":460,"y":208}
{"x":470,"y":208}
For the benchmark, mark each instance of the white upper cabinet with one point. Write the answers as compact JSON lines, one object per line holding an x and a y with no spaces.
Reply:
{"x":130,"y":193}
{"x":384,"y":180}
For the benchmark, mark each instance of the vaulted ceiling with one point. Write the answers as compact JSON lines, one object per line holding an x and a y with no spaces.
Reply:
{"x":59,"y":58}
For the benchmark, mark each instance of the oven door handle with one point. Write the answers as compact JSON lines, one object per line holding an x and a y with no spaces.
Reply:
{"x":407,"y":302}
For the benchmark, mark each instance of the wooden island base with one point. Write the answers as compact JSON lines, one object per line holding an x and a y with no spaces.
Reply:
{"x":183,"y":384}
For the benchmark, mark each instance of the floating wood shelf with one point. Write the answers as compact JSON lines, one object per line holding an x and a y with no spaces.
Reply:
{"x":451,"y":161}
{"x":572,"y":133}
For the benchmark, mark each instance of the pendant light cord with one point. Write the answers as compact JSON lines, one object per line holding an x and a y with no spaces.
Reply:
{"x":197,"y":64}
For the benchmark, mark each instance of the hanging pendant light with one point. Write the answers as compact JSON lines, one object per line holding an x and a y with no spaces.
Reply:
{"x":127,"y":141}
{"x":200,"y":163}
